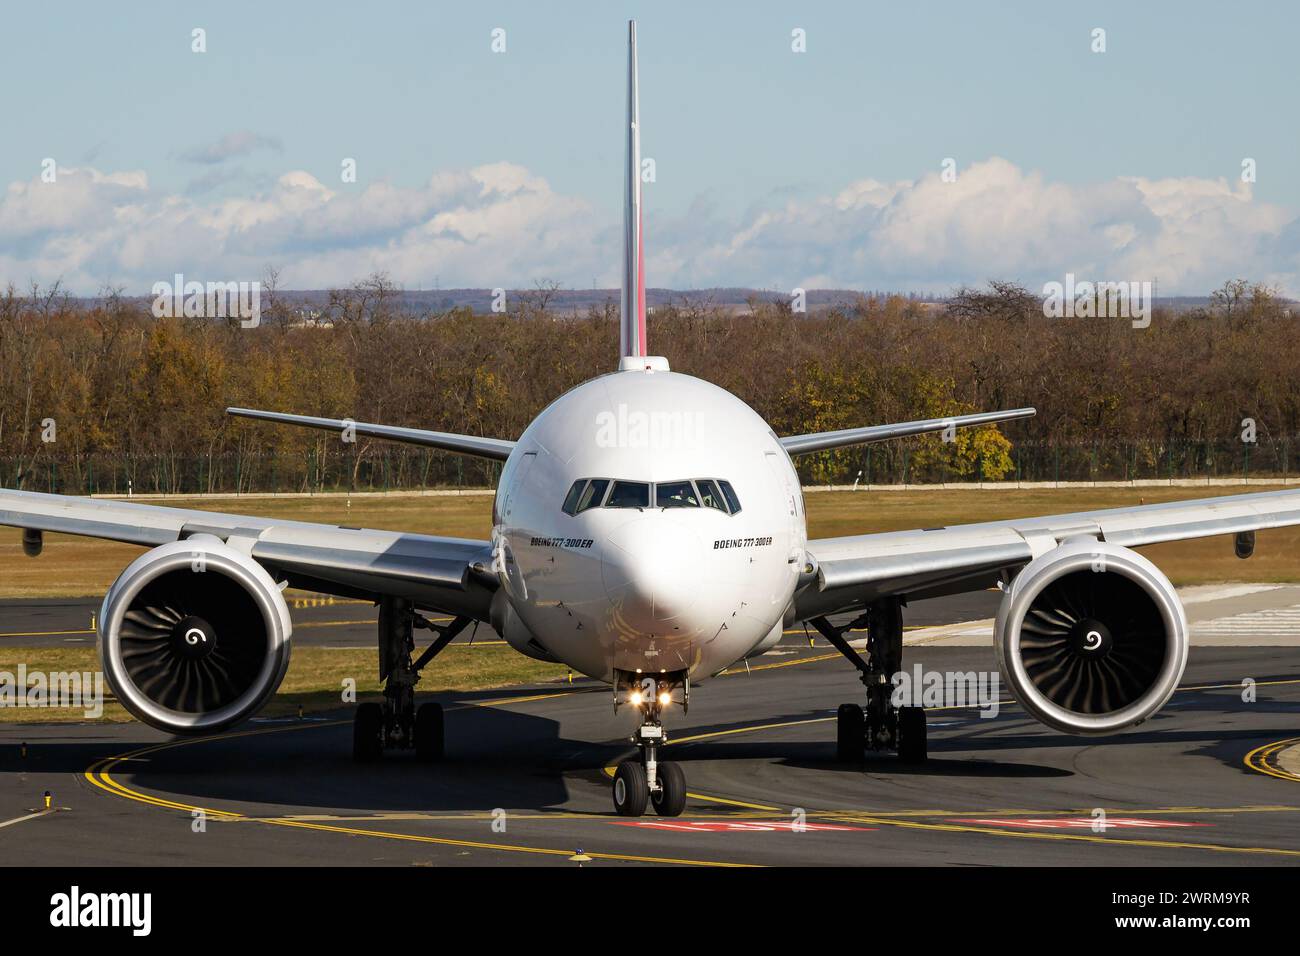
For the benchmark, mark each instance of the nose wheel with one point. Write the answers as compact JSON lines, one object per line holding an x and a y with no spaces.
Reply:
{"x":645,"y":780}
{"x":631,"y":791}
{"x":670,"y":799}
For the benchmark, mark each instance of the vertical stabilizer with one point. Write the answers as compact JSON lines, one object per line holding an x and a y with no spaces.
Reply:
{"x":632,"y":340}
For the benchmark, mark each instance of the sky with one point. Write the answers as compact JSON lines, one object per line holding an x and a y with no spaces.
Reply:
{"x":772,"y":168}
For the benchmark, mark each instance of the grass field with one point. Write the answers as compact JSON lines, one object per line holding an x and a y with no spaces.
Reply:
{"x":315,"y":678}
{"x":78,"y":567}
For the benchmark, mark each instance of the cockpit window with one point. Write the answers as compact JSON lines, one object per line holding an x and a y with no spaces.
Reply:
{"x":733,"y":503}
{"x":702,"y":492}
{"x":595,"y":493}
{"x":571,"y":499}
{"x":710,"y":497}
{"x":676,"y":494}
{"x":629,"y":494}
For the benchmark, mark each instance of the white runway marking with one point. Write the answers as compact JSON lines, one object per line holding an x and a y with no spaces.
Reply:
{"x":1200,"y":593}
{"x":1262,"y":627}
{"x":25,"y":817}
{"x":1271,"y":626}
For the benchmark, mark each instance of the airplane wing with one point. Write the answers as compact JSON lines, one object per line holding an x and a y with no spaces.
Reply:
{"x":821,"y":441}
{"x":496,"y":449}
{"x":448,"y":574}
{"x":935,"y":561}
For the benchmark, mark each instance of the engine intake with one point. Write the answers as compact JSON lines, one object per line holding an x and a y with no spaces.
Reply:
{"x":194,"y":636}
{"x":1091,"y":637}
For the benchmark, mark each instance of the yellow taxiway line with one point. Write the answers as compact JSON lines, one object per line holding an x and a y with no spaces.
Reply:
{"x":99,"y":774}
{"x":1256,"y":760}
{"x":1263,"y":759}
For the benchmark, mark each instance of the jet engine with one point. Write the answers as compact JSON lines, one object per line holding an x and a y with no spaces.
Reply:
{"x":1091,"y":637}
{"x":194,"y":636}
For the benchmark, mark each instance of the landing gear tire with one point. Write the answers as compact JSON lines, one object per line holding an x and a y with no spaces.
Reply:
{"x":429,"y":737}
{"x":670,"y":799}
{"x":911,"y":734}
{"x":368,"y":733}
{"x":849,"y":729}
{"x":631,"y":791}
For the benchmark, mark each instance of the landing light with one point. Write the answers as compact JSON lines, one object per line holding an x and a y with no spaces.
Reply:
{"x":635,"y":698}
{"x":665,"y":699}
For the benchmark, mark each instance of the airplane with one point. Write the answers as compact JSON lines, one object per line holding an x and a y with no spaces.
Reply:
{"x":648,"y":531}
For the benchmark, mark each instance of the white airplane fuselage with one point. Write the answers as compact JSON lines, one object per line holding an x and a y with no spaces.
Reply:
{"x":659,"y":589}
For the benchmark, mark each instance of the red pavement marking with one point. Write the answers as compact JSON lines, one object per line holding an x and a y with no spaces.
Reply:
{"x":734,"y":826}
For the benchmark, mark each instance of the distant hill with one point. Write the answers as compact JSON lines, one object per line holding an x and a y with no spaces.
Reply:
{"x":578,"y":301}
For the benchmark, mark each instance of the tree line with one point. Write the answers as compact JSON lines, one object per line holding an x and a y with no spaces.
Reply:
{"x":99,"y":395}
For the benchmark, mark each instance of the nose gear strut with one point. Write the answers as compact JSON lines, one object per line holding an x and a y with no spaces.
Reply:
{"x":645,"y":779}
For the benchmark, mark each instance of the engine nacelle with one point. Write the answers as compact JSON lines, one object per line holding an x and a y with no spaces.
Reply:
{"x":194,"y":636}
{"x":1091,"y":637}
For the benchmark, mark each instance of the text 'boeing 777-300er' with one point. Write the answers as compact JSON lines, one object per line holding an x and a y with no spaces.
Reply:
{"x":648,"y":531}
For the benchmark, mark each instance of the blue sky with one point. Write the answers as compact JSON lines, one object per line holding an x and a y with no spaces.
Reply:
{"x":752,"y":143}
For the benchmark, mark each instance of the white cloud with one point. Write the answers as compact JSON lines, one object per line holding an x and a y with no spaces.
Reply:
{"x":502,"y":225}
{"x":77,"y":199}
{"x":998,"y":221}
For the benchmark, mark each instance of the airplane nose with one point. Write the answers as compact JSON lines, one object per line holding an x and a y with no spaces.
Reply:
{"x":651,"y":569}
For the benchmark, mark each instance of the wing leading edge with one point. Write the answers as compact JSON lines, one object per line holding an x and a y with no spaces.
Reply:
{"x":934,"y":561}
{"x":449,"y":574}
{"x":821,"y":441}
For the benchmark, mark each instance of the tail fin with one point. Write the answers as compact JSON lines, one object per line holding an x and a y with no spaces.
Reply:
{"x":632,"y":310}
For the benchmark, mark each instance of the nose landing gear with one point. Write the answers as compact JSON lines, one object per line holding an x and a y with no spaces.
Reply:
{"x":645,"y":779}
{"x":879,"y":725}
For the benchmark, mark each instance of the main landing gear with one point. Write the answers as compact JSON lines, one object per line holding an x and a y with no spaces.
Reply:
{"x":879,"y":725}
{"x":397,"y":724}
{"x":645,"y":779}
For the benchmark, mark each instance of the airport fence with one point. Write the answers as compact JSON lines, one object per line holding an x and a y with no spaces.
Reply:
{"x":1125,"y":461}
{"x":402,"y":469}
